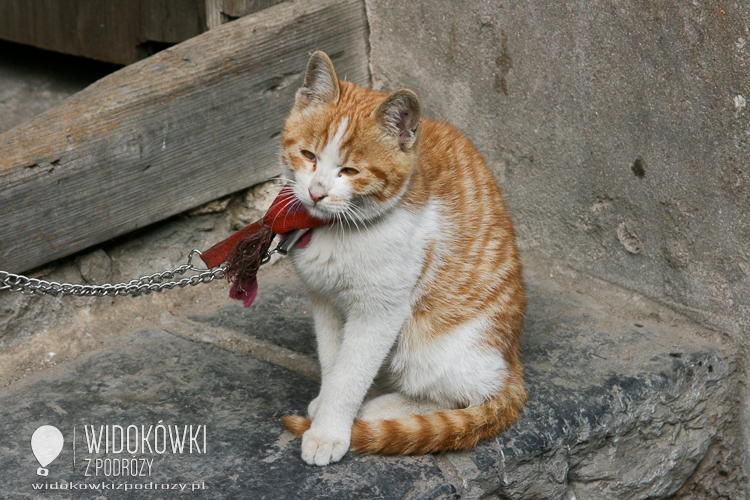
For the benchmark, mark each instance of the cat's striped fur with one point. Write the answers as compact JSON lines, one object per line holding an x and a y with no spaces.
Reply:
{"x":419,"y":281}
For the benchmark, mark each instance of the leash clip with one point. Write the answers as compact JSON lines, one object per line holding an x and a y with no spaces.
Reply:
{"x":284,"y":245}
{"x":289,"y":241}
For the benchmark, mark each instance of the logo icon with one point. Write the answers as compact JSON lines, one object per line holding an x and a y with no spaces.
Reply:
{"x":46,"y":443}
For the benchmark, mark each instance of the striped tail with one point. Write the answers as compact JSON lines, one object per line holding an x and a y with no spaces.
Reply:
{"x":445,"y":430}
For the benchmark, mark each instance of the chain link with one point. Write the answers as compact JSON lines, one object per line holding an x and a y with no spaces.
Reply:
{"x":142,"y":286}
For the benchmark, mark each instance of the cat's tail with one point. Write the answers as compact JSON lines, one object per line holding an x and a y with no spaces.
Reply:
{"x":445,"y":430}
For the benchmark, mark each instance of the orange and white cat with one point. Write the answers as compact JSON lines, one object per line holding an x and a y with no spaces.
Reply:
{"x":417,"y":283}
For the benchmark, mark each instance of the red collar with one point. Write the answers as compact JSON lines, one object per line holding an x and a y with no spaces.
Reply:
{"x":245,"y":250}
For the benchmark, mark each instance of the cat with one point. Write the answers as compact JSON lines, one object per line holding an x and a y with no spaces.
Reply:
{"x":417,"y":282}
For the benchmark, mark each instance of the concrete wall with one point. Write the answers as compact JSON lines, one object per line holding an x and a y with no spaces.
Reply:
{"x":620,"y":131}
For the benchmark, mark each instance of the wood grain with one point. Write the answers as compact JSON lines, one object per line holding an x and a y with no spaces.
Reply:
{"x":185,"y":126}
{"x":239,"y":8}
{"x":219,"y":12}
{"x":116,"y":31}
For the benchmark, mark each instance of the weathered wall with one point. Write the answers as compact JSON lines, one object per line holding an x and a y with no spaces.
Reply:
{"x":620,"y":131}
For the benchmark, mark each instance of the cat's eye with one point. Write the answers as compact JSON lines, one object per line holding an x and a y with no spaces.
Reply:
{"x":349,"y":171}
{"x":309,"y":155}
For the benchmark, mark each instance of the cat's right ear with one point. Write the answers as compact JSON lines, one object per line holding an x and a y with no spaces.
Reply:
{"x":321,"y":83}
{"x":399,"y":115}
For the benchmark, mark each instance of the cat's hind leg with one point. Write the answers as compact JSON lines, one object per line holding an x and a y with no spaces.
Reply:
{"x":396,"y":405}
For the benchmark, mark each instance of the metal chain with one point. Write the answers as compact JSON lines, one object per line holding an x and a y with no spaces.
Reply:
{"x":143,"y":285}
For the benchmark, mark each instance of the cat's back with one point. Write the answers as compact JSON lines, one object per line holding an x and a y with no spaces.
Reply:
{"x":473,"y":269}
{"x":452,"y":171}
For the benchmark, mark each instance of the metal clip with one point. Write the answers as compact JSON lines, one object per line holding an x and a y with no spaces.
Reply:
{"x":190,"y":261}
{"x":285,"y":245}
{"x":289,"y":242}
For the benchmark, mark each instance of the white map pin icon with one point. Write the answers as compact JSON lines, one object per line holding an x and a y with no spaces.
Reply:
{"x":46,"y":443}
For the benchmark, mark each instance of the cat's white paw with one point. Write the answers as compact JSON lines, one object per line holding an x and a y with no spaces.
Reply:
{"x":321,"y":447}
{"x":312,"y":408}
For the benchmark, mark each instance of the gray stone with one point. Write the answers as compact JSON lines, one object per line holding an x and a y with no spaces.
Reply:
{"x":156,"y":377}
{"x":627,"y":401}
{"x":95,"y":267}
{"x":252,"y":203}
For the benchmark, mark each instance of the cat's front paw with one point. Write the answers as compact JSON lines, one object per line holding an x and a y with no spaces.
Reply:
{"x":321,"y":447}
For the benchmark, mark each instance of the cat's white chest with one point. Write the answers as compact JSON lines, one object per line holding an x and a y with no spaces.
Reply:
{"x":381,"y":261}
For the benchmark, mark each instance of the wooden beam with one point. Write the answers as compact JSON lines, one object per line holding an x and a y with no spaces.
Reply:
{"x":214,"y":18}
{"x":238,"y":8}
{"x":219,"y":12}
{"x":116,"y":31}
{"x":185,"y":126}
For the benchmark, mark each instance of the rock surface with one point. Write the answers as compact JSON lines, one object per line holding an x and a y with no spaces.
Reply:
{"x":628,"y":400}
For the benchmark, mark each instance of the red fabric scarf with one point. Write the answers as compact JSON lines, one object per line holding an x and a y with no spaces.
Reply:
{"x":245,"y":249}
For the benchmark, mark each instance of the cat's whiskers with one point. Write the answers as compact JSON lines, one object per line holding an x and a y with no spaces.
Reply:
{"x":352,"y":210}
{"x":282,"y":178}
{"x":288,"y":201}
{"x":360,"y":213}
{"x":348,"y":221}
{"x":339,"y":224}
{"x":357,"y":211}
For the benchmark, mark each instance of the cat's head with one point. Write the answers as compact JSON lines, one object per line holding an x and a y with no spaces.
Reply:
{"x":349,"y":151}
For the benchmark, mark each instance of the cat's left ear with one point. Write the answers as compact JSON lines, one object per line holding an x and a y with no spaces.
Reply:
{"x":399,"y":115}
{"x":321,"y":83}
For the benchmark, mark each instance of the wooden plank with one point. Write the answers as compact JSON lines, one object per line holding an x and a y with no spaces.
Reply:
{"x":171,"y":21}
{"x":188,"y":125}
{"x":100,"y":30}
{"x":214,"y":17}
{"x":219,"y":12}
{"x":116,"y":31}
{"x":238,"y":8}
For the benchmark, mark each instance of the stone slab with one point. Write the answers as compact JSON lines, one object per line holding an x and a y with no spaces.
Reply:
{"x":157,"y":377}
{"x":627,"y":398}
{"x":280,"y":315}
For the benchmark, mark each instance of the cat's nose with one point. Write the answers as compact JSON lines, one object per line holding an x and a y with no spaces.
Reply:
{"x":316,"y":197}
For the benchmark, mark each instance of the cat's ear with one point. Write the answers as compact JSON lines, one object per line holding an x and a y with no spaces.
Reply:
{"x":321,"y":83}
{"x":399,"y":115}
